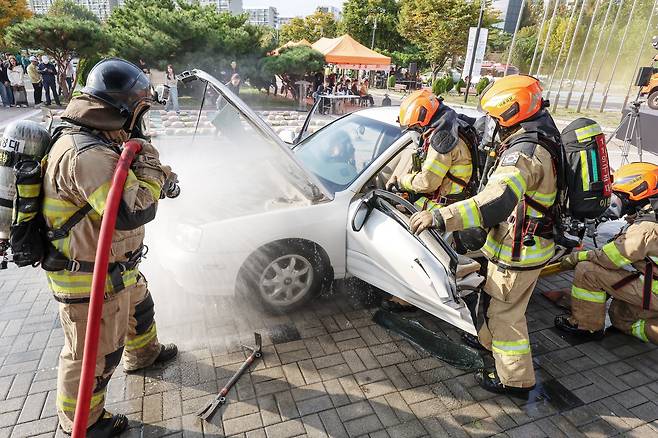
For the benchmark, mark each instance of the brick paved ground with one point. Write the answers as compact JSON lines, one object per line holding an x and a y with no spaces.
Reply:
{"x":328,"y":371}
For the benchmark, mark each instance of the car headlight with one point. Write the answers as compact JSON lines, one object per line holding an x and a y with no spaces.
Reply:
{"x":188,"y":236}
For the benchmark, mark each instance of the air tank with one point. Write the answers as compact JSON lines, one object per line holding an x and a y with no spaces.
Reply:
{"x":21,"y":140}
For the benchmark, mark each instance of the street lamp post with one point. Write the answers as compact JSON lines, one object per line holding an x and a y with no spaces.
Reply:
{"x":475,"y":47}
{"x":374,"y":29}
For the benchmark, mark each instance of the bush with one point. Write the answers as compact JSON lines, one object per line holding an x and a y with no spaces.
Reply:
{"x":390,"y":83}
{"x":449,"y":83}
{"x":481,"y":85}
{"x":460,"y":84}
{"x":439,"y":87}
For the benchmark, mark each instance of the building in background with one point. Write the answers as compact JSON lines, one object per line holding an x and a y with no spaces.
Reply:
{"x":100,"y":8}
{"x":284,"y":21}
{"x":264,"y":17}
{"x":333,"y":10}
{"x":509,"y":13}
{"x":232,"y":6}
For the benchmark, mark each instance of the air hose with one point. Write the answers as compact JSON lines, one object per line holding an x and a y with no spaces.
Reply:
{"x":97,"y":296}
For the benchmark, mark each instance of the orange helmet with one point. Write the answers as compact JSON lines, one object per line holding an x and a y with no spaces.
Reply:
{"x":638,"y":181}
{"x":417,"y":109}
{"x":512,"y":99}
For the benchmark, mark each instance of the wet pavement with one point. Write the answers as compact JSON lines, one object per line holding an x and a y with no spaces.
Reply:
{"x":327,"y":370}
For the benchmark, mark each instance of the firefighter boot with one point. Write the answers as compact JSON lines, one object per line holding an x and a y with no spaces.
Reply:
{"x":108,"y":425}
{"x":562,"y":323}
{"x":167,"y":352}
{"x":489,"y":380}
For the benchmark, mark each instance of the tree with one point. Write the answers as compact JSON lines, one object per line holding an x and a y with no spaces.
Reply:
{"x":292,"y":63}
{"x":312,"y":28}
{"x":359,"y":17}
{"x":439,"y":28}
{"x":60,"y":37}
{"x":11,"y":12}
{"x":184,"y":34}
{"x":72,"y":9}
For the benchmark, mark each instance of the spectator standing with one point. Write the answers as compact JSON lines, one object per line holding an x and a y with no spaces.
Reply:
{"x":171,"y":83}
{"x":234,"y":84}
{"x":144,"y":67}
{"x":70,"y":74}
{"x":5,"y":86}
{"x":49,"y":74}
{"x":16,"y":79}
{"x":35,"y":78}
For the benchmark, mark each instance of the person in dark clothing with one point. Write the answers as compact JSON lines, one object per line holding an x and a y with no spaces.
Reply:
{"x":234,"y":84}
{"x":49,"y":77}
{"x":6,"y":93}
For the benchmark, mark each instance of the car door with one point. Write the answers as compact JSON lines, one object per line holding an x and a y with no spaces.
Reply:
{"x":420,"y":270}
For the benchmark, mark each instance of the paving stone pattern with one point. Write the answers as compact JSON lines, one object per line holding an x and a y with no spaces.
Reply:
{"x":327,"y":371}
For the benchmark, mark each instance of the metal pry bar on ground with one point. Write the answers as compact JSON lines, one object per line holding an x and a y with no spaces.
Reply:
{"x":207,"y":411}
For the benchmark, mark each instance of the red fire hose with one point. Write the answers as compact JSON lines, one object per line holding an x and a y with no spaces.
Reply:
{"x":130,"y":149}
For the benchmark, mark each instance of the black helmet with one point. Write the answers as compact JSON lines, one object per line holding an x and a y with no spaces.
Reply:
{"x":119,"y":83}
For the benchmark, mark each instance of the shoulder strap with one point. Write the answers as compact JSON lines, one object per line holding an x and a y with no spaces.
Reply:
{"x":66,"y":227}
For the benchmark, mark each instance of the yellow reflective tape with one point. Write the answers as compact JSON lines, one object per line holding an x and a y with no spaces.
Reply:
{"x":142,"y":340}
{"x":436,"y":167}
{"x":584,"y":170}
{"x":513,"y":180}
{"x":98,"y":198}
{"x":68,"y":404}
{"x":152,"y":187}
{"x":468,"y":210}
{"x":511,"y":348}
{"x":611,"y":250}
{"x":425,"y":204}
{"x":638,"y":330}
{"x":545,"y":199}
{"x":405,"y":181}
{"x":461,"y":170}
{"x":538,"y":254}
{"x":23,"y":217}
{"x":582,"y":256}
{"x":588,"y":295}
{"x":70,"y":283}
{"x":28,"y":190}
{"x":587,"y":132}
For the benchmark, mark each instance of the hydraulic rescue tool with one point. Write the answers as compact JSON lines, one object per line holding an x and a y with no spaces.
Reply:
{"x":256,"y":351}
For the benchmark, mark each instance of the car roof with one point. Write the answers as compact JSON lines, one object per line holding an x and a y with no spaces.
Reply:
{"x":389,"y":114}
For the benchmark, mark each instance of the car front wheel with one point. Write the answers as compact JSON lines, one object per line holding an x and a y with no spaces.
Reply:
{"x":285,"y":277}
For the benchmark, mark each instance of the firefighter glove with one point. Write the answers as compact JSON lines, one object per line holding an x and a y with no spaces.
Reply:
{"x":425,"y":219}
{"x":393,"y":184}
{"x":569,"y":261}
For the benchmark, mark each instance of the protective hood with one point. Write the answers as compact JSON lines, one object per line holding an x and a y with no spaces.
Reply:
{"x":86,"y":111}
{"x":445,"y":134}
{"x":543,"y":123}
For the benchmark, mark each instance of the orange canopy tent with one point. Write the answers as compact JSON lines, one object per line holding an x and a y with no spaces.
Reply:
{"x":348,"y":53}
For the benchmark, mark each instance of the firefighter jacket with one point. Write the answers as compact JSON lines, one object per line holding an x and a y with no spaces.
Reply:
{"x":524,"y":170}
{"x":441,"y":175}
{"x":631,"y":251}
{"x":78,"y":174}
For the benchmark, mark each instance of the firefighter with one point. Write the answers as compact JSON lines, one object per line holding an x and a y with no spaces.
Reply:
{"x":625,"y":269}
{"x":438,"y":170}
{"x":514,"y":205}
{"x":77,"y":178}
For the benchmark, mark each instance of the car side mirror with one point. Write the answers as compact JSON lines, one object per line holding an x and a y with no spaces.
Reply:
{"x":287,"y":135}
{"x":362,"y":212}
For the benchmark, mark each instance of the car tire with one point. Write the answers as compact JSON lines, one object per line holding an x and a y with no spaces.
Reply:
{"x":652,"y":100}
{"x":280,"y":287}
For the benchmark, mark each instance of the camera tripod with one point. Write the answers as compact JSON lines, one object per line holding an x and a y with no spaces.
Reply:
{"x":633,"y":130}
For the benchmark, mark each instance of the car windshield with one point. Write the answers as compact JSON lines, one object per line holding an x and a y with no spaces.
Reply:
{"x":338,"y":153}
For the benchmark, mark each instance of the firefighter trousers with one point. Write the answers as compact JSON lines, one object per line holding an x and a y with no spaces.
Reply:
{"x":505,"y":331}
{"x":592,"y":284}
{"x":127,"y":329}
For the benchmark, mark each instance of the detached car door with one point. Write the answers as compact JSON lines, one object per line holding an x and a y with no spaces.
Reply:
{"x":419,"y":269}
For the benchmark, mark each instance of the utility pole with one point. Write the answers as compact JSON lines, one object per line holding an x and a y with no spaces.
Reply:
{"x":516,"y":29}
{"x":582,"y":53}
{"x":596,"y":51}
{"x":475,"y":47}
{"x":641,"y":51}
{"x":548,"y":36}
{"x":374,"y":28}
{"x":614,"y":66}
{"x":605,"y":51}
{"x":547,"y":5}
{"x":571,"y":46}
{"x":559,"y":55}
